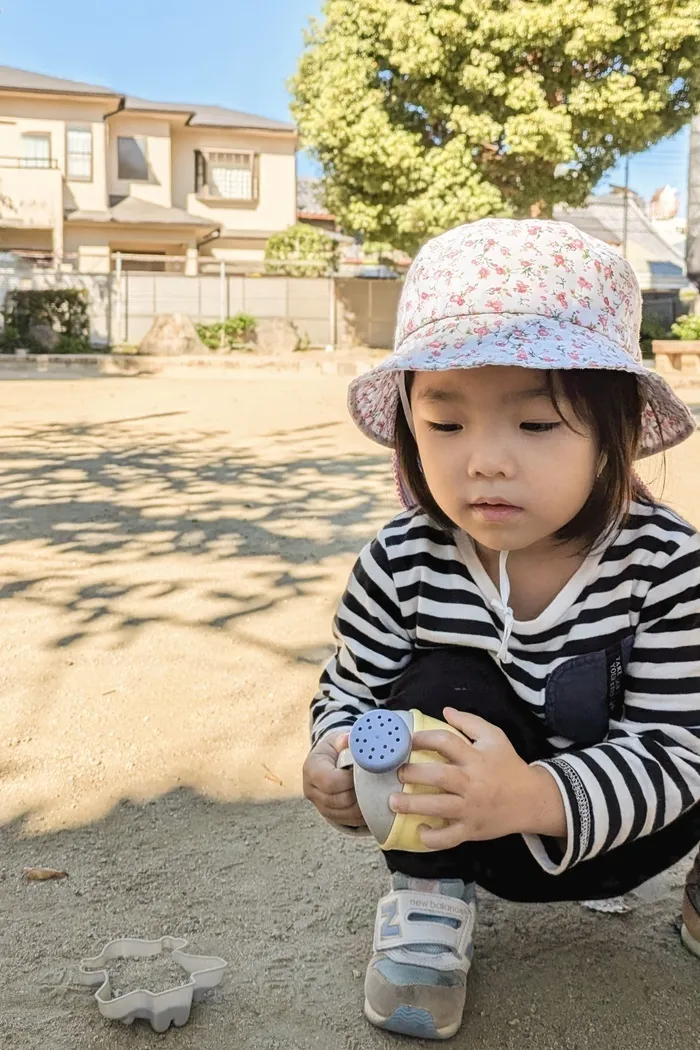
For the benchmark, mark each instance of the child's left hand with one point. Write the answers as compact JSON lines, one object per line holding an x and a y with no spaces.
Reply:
{"x":487,"y":790}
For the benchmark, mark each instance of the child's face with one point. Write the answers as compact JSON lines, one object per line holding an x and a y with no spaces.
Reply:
{"x":496,"y":455}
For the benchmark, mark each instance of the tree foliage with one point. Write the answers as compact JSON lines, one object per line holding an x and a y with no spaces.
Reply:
{"x":428,"y":113}
{"x":301,"y":251}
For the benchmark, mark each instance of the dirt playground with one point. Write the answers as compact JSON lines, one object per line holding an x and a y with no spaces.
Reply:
{"x":172,"y":553}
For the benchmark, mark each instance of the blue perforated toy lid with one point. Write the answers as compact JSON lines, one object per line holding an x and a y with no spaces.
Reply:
{"x":380,"y":741}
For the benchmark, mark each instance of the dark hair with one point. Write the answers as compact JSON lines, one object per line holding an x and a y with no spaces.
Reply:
{"x":611,"y":404}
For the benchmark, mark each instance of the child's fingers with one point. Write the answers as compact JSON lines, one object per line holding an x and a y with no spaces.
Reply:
{"x":344,"y":800}
{"x":453,"y":748}
{"x":340,"y":742}
{"x":351,"y":816}
{"x":331,"y":781}
{"x":431,"y":774}
{"x":446,"y":806}
{"x":443,"y":838}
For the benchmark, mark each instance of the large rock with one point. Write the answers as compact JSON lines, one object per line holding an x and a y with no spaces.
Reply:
{"x":44,"y":336}
{"x":276,"y":336}
{"x":171,"y":335}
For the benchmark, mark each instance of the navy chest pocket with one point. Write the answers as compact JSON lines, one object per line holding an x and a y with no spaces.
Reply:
{"x":585,"y":692}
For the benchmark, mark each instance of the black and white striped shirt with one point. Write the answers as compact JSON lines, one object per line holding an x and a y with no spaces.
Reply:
{"x":415,"y":586}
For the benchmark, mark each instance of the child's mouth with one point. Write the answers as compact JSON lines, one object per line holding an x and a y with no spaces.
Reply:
{"x":495,"y":511}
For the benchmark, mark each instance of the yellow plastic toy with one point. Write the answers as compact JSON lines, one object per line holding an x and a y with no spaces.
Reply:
{"x":381,"y":742}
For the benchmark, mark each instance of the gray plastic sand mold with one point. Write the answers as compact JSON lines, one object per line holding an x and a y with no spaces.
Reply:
{"x":161,"y":1009}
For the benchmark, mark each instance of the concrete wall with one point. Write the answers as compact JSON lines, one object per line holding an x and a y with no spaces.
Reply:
{"x":367,"y":311}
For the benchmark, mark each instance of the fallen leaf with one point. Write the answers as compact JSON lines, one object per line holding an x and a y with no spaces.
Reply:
{"x":42,"y":874}
{"x":269,"y":775}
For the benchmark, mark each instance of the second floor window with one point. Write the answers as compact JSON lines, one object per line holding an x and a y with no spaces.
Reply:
{"x":79,"y":153}
{"x":226,"y":176}
{"x":36,"y":151}
{"x":133,"y":158}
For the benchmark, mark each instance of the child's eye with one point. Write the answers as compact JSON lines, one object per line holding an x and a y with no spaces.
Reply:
{"x":539,"y":428}
{"x":445,"y":428}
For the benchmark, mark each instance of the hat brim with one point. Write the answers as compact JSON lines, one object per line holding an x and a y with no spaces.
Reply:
{"x":524,"y":341}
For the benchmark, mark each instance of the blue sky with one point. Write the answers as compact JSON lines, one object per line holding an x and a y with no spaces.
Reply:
{"x":237,"y":53}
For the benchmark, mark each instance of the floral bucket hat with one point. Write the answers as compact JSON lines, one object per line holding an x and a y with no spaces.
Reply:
{"x":530,"y":293}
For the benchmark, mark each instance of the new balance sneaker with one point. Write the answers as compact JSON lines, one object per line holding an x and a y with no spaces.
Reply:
{"x":417,"y":978}
{"x":690,"y":930}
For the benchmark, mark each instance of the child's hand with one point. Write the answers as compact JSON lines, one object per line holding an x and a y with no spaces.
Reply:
{"x":331,"y":790}
{"x":489,"y":791}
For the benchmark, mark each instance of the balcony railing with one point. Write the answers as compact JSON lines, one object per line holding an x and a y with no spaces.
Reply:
{"x":28,"y":162}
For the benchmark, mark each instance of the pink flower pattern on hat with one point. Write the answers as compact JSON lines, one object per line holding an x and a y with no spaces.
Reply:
{"x":530,"y":293}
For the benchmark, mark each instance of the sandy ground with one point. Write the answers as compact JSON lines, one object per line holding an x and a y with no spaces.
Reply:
{"x":172,"y":552}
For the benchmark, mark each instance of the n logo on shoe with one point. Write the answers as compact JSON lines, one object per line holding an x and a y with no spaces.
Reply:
{"x":390,"y":925}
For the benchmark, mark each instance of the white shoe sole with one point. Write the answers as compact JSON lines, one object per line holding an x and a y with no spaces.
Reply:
{"x":689,"y":941}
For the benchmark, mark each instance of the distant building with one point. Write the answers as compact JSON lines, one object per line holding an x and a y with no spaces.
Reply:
{"x":86,"y":172}
{"x":311,"y":207}
{"x":664,"y":204}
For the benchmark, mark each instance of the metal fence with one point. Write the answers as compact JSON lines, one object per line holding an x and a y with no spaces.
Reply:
{"x":324,"y":310}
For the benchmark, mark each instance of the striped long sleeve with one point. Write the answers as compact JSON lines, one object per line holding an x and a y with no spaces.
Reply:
{"x":647,"y":771}
{"x":625,"y":768}
{"x":372,"y":646}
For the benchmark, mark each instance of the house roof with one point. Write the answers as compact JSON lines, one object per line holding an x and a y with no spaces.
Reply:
{"x":132,"y":211}
{"x":587,"y":223}
{"x":207,"y":116}
{"x":22,"y":80}
{"x":196,"y":115}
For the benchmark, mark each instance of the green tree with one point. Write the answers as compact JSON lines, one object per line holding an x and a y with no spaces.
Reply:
{"x":428,"y":113}
{"x":301,"y":251}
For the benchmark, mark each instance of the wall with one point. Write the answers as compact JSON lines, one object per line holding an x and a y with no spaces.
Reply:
{"x":20,"y":116}
{"x":31,"y":197}
{"x":136,"y":237}
{"x":276,"y":207}
{"x":367,"y":311}
{"x":158,"y":188}
{"x":123,"y":311}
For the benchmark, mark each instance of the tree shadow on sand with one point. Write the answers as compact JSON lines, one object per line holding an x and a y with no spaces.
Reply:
{"x":110,"y":496}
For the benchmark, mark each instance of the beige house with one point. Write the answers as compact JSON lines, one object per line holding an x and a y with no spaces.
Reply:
{"x":86,"y":172}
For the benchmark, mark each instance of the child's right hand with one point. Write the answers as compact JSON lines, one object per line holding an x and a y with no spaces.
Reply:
{"x":331,"y":789}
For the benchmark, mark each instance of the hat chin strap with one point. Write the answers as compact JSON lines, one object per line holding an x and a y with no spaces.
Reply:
{"x":405,"y":402}
{"x":502,"y":606}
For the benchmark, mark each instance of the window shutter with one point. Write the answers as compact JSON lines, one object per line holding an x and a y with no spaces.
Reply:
{"x":200,"y":171}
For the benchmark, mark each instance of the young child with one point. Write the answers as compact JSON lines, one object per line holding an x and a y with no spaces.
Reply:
{"x":533,"y":595}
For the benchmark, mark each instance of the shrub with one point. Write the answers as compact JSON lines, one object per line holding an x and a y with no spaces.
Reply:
{"x":651,"y":329}
{"x":232,"y":334}
{"x":301,"y":251}
{"x":686,"y":327}
{"x":10,"y":339}
{"x":70,"y":344}
{"x":65,"y":310}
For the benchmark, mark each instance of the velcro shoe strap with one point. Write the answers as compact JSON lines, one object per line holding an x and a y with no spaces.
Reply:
{"x":397,"y":927}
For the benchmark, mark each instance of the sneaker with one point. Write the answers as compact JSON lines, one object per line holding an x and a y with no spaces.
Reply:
{"x":690,"y":930}
{"x":417,"y":978}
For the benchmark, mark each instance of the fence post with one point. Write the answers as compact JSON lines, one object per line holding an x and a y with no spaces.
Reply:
{"x":222,"y":290}
{"x":222,"y":301}
{"x":332,"y":314}
{"x":118,"y":305}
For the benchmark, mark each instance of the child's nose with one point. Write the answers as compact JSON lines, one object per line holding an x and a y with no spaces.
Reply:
{"x":490,"y":458}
